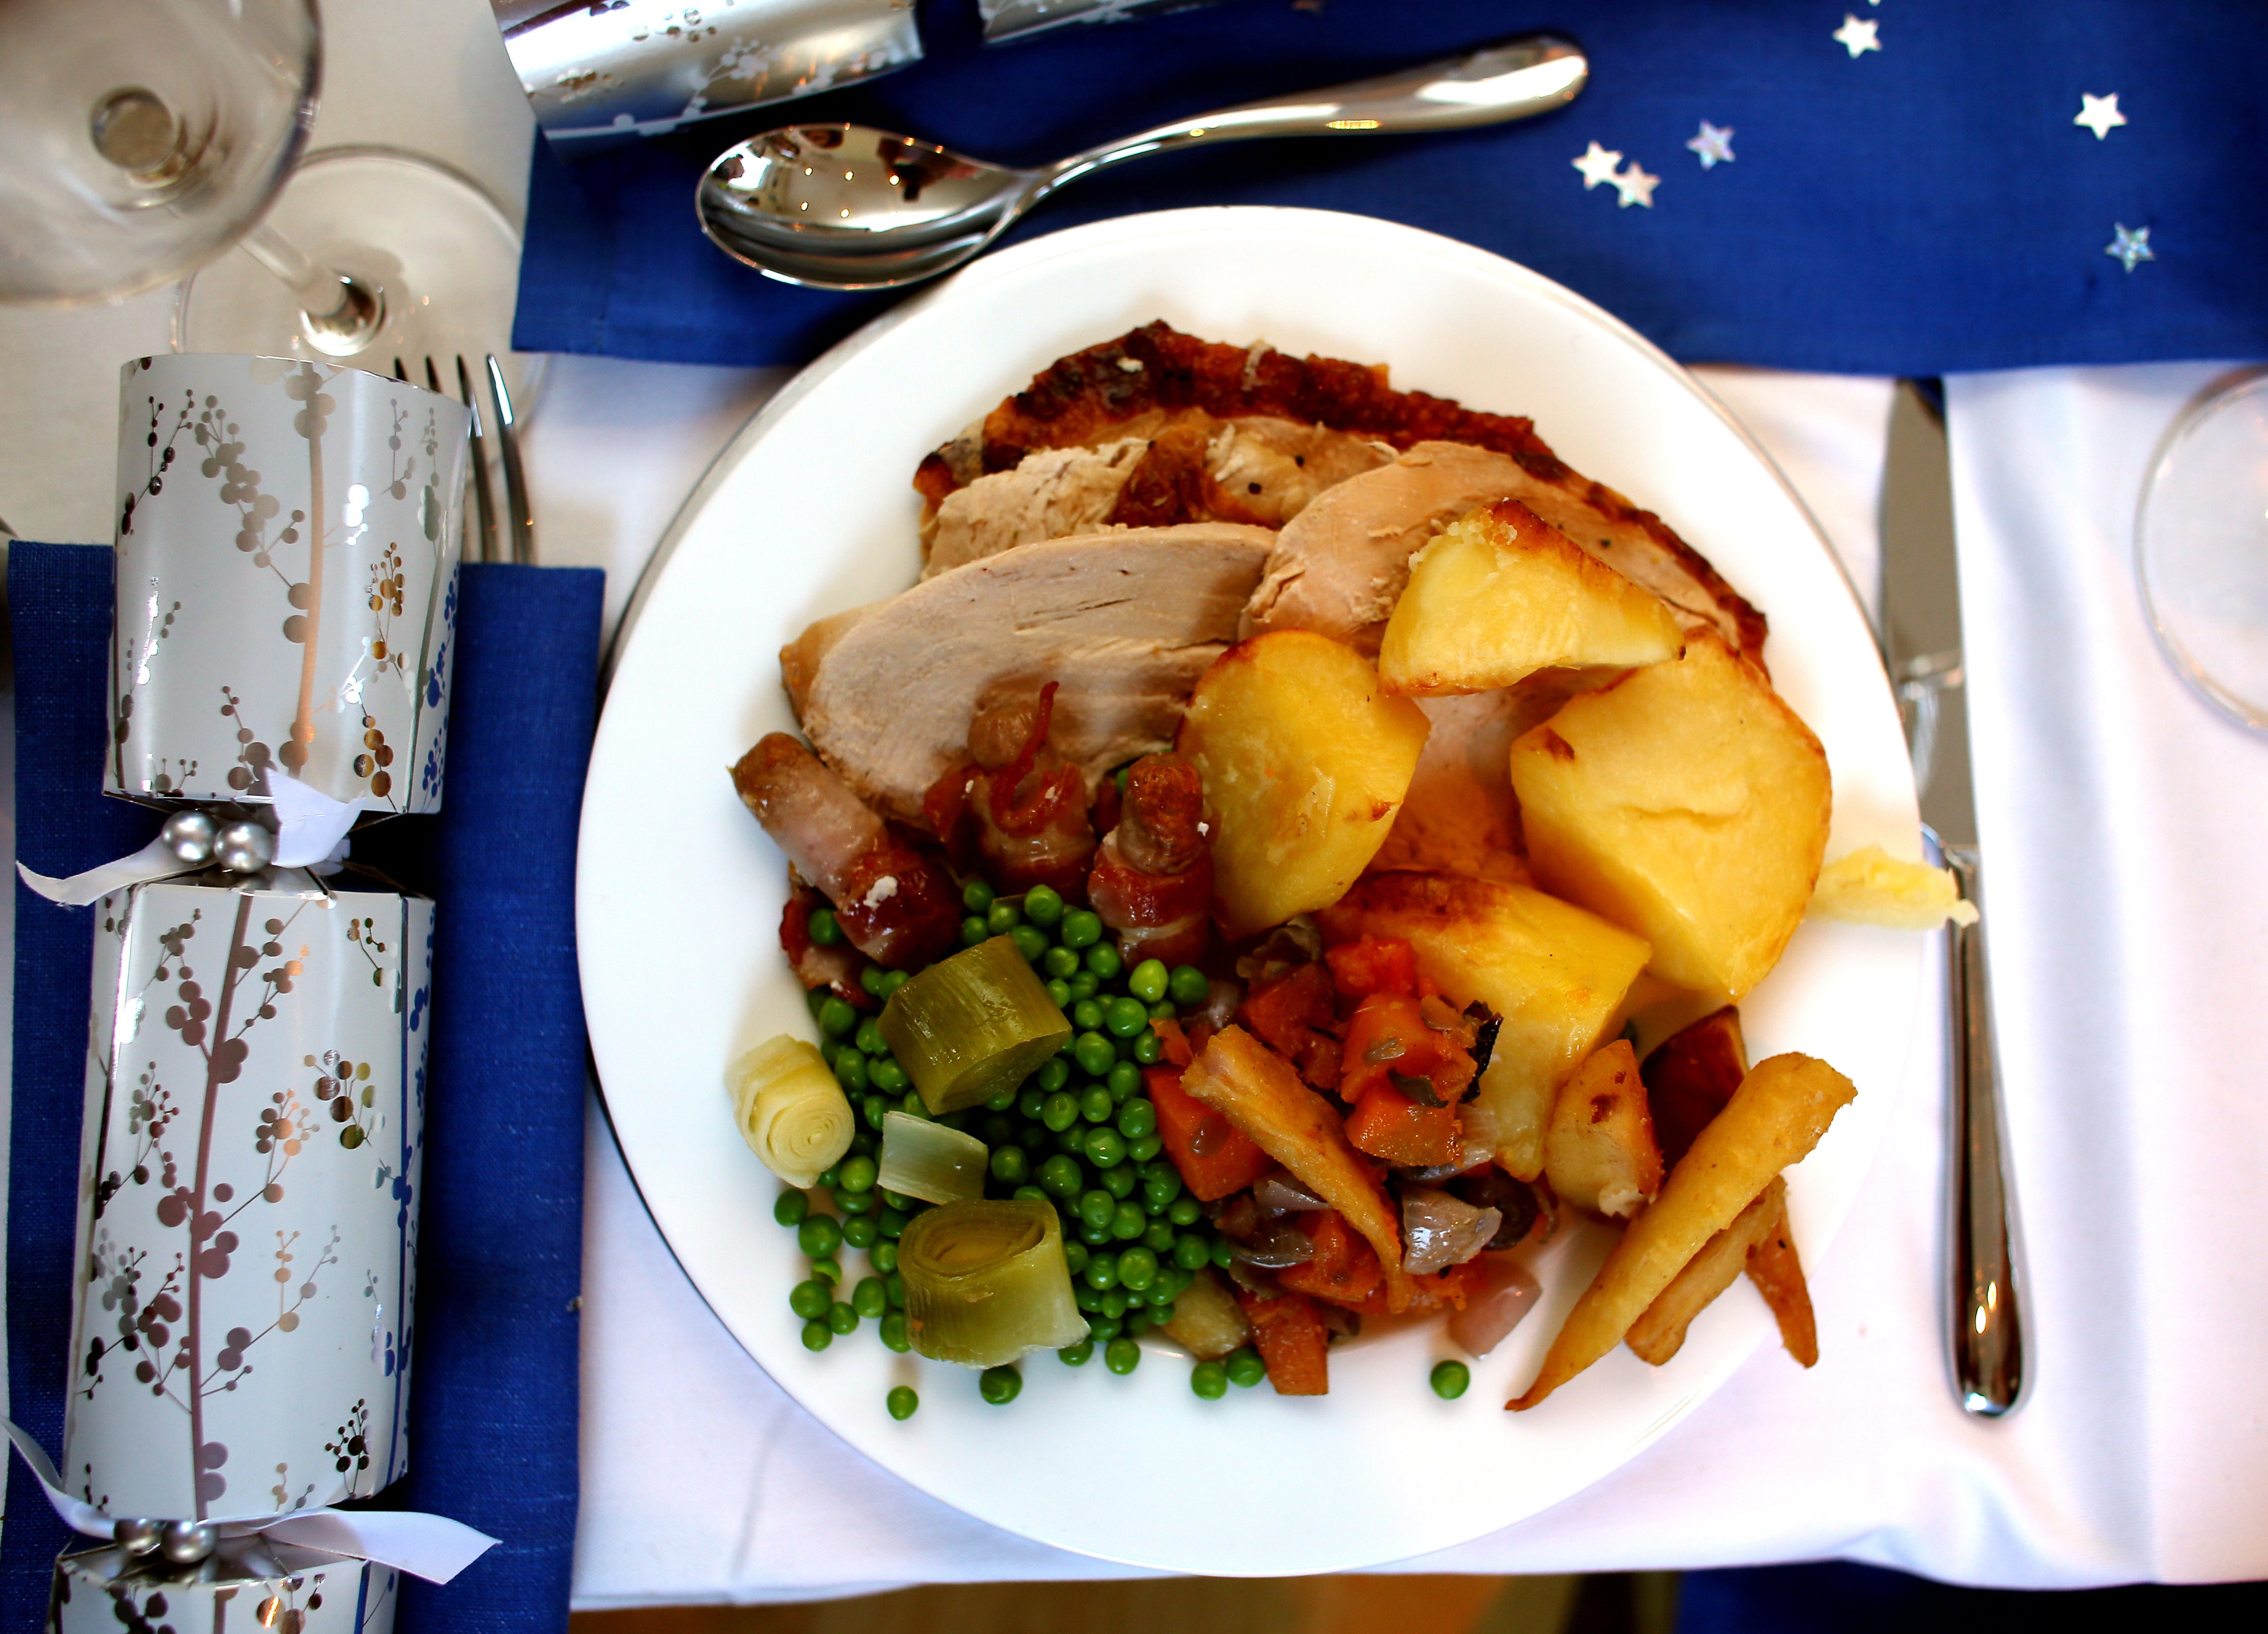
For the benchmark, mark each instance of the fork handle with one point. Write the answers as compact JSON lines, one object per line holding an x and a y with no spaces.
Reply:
{"x":1988,"y":1328}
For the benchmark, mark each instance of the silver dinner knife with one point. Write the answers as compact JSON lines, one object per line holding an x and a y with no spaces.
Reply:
{"x":1921,"y":619}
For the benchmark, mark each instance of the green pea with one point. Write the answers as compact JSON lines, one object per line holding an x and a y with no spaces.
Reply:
{"x":1126,"y":1018}
{"x":1162,"y":1010}
{"x":1157,"y":1236}
{"x":1162,"y":1173}
{"x":1245,"y":1368}
{"x":1085,"y":1014}
{"x":1145,"y":1148}
{"x":1060,"y":963}
{"x":1076,"y":1355}
{"x":1096,"y":1207}
{"x":1073,"y":1141}
{"x":1115,"y":1304}
{"x":1102,"y":1272}
{"x":1148,"y":1049}
{"x":860,"y":1230}
{"x":889,"y":1077}
{"x":1187,"y":986}
{"x":1161,"y":1311}
{"x":819,"y":1236}
{"x":1030,"y":941}
{"x":1104,"y":1328}
{"x":809,"y":1300}
{"x":1094,"y":1236}
{"x":1451,"y":1380}
{"x":827,"y":1270}
{"x":870,"y":977}
{"x":1104,"y":1146}
{"x":977,"y":896}
{"x":1028,"y":1102}
{"x":822,"y":928}
{"x":1103,"y":960}
{"x":828,"y":1048}
{"x":1093,"y":1053}
{"x":1059,"y":1111}
{"x":1058,"y":990}
{"x":1138,"y":1268}
{"x":1124,"y":1080}
{"x":1084,"y":985}
{"x":1122,"y":1356}
{"x":816,"y":998}
{"x":973,"y":931}
{"x":1088,"y":1299}
{"x":868,"y":1299}
{"x":1218,"y":1252}
{"x":883,"y":1256}
{"x":1095,"y":1104}
{"x":1003,"y":917}
{"x":891,"y":1222}
{"x":902,"y":1402}
{"x":1135,"y":1297}
{"x":790,"y":1207}
{"x":1081,"y":929}
{"x":1210,"y":1380}
{"x":1053,"y":1075}
{"x":892,"y":981}
{"x":842,"y":1317}
{"x":1149,"y":981}
{"x":1137,"y":1118}
{"x":1061,"y":1176}
{"x":817,"y":1335}
{"x":1075,"y":1258}
{"x":1185,"y":1212}
{"x":836,"y":1019}
{"x":1043,"y":906}
{"x":1139,"y":1323}
{"x":1126,"y":1221}
{"x":826,"y":1182}
{"x":856,"y":1175}
{"x":873,"y":1109}
{"x":1030,"y":1194}
{"x":894,"y":1286}
{"x":1118,"y":1182}
{"x":999,"y":1385}
{"x":913,"y":1105}
{"x":854,"y":1203}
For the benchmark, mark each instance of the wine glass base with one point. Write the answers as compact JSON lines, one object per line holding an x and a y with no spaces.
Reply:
{"x":440,"y":248}
{"x":2201,"y":549}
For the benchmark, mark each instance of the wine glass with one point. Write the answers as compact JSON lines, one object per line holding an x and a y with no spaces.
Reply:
{"x":2201,"y":548}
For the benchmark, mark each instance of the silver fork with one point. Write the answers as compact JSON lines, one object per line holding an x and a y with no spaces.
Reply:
{"x":488,"y":545}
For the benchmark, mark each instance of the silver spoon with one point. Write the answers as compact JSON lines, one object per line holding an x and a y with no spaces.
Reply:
{"x":848,"y":207}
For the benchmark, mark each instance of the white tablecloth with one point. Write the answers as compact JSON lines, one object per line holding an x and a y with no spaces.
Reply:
{"x":2128,"y":911}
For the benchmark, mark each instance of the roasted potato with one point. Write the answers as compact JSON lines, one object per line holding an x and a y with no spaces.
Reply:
{"x":1556,"y":974}
{"x":1305,"y":764}
{"x":1690,"y":1075}
{"x":1501,"y":594}
{"x":1598,"y":1152}
{"x":1687,"y":802}
{"x":1774,"y":1119}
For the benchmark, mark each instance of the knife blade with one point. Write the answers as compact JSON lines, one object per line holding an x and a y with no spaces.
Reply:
{"x":1921,"y":638}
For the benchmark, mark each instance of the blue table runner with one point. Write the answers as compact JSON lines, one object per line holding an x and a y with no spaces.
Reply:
{"x":494,"y":1381}
{"x":1923,"y":206}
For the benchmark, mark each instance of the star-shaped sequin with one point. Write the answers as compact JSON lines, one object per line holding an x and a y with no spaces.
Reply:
{"x":1636,"y":186}
{"x":1856,"y":37}
{"x":2132,"y":245}
{"x":1597,"y":164}
{"x":2099,"y":114}
{"x":1713,"y":146}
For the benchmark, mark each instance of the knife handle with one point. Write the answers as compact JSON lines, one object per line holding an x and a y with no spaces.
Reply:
{"x":1988,"y":1328}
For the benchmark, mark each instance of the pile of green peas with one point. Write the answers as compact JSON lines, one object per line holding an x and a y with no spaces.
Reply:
{"x":1079,"y":1133}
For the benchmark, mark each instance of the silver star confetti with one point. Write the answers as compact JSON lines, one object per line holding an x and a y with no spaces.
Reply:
{"x":1857,"y":37}
{"x":2132,"y":245}
{"x":2099,"y":114}
{"x":1636,"y":186}
{"x":1597,"y":164}
{"x":1713,"y":146}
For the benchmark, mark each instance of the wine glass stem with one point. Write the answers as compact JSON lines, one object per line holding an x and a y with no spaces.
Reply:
{"x":339,"y":313}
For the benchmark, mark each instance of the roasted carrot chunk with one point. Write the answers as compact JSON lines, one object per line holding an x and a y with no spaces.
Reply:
{"x":1172,"y":1041}
{"x":1290,"y":1333}
{"x":1345,"y":1269}
{"x":1443,"y":1290}
{"x":1373,"y":964}
{"x":1388,"y":1124}
{"x":1290,"y":1012}
{"x":1214,"y":1156}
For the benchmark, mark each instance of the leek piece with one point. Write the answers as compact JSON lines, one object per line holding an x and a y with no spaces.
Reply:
{"x":792,"y":1110}
{"x":972,"y":1025}
{"x":986,"y":1283}
{"x":930,"y":1161}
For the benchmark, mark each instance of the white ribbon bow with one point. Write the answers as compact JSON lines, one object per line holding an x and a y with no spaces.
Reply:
{"x":433,"y":1547}
{"x":311,"y":831}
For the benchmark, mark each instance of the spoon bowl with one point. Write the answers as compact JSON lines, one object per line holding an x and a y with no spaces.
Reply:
{"x":849,"y":207}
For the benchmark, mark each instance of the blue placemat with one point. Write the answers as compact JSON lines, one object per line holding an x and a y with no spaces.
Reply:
{"x":493,"y":1409}
{"x":1926,"y":206}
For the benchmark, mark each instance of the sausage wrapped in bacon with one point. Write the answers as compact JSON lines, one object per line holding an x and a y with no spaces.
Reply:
{"x":1027,"y":804}
{"x":1153,"y":877}
{"x":895,"y":905}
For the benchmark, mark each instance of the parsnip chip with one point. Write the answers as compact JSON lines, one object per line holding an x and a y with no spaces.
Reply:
{"x":1778,"y":1276}
{"x":1656,"y":1336}
{"x":1774,"y":1119}
{"x":1871,"y":886}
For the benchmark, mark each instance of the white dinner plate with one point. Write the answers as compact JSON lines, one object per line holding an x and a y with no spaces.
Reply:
{"x":810,"y":510}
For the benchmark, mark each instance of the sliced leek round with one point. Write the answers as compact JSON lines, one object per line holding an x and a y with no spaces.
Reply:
{"x":973,"y":1024}
{"x":792,"y":1111}
{"x":930,"y":1161}
{"x":987,"y":1283}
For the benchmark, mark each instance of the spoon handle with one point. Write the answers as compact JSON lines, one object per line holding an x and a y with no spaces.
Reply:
{"x":1533,"y":73}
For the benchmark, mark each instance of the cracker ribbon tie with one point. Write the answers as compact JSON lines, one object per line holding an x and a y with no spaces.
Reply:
{"x":311,"y":831}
